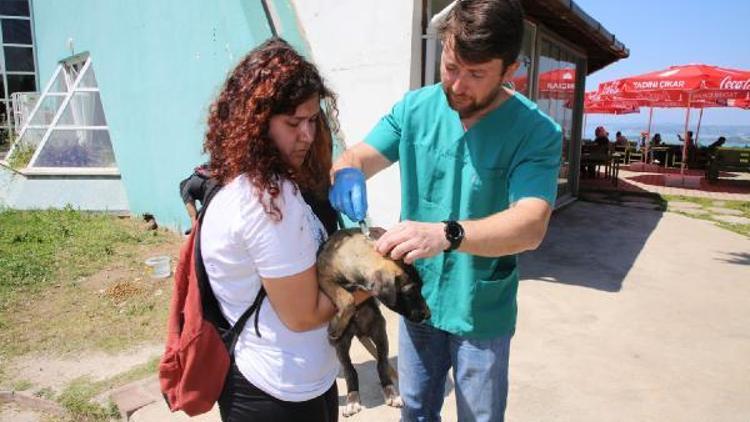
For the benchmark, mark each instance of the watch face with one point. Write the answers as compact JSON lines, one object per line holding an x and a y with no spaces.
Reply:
{"x":453,"y":231}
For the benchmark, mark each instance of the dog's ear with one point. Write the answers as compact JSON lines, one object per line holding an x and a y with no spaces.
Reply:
{"x":376,"y":232}
{"x":383,"y":286}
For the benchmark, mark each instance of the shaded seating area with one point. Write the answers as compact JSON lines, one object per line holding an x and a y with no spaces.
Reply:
{"x":628,"y":153}
{"x":594,"y":158}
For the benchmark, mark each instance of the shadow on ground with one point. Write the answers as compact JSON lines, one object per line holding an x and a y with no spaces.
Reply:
{"x":740,"y":258}
{"x":590,"y":245}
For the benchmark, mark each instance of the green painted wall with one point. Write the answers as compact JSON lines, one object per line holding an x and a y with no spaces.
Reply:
{"x":159,"y":64}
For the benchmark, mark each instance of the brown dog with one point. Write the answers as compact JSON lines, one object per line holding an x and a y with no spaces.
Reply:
{"x":346,"y":262}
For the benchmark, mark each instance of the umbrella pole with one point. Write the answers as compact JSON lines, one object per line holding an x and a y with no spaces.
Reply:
{"x":698,"y":129}
{"x":684,"y":141}
{"x":648,"y":132}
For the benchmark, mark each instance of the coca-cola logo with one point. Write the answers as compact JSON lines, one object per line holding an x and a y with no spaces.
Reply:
{"x":609,"y":89}
{"x":728,"y":83}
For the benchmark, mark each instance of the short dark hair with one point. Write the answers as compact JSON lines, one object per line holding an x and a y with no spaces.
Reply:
{"x":482,"y":30}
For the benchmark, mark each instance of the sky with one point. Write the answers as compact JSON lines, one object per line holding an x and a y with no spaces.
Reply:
{"x":662,"y":33}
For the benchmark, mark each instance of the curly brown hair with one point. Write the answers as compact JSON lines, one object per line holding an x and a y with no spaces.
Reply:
{"x":272,"y":79}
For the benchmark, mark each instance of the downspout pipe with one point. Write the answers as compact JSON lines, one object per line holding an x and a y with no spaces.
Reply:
{"x":431,"y":35}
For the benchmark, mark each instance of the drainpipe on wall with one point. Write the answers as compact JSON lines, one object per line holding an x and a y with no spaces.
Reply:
{"x":432,"y":40}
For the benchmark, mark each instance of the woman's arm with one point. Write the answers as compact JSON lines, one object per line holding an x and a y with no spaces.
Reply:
{"x":298,"y":301}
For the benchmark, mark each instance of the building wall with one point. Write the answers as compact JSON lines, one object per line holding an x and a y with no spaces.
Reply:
{"x":21,"y":192}
{"x":158,"y":65}
{"x":371,"y":60}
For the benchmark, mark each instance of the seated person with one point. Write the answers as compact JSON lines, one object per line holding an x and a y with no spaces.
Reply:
{"x":717,"y":143}
{"x":657,"y":157}
{"x":690,"y":142}
{"x":602,"y":137}
{"x":620,"y":139}
{"x":598,"y":152}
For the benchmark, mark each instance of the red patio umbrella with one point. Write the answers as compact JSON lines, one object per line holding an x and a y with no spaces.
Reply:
{"x":741,"y":103}
{"x":554,"y":84}
{"x":683,"y":84}
{"x":689,"y":86}
{"x":593,"y":103}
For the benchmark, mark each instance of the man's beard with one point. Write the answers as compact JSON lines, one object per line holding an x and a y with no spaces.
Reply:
{"x":474,"y":107}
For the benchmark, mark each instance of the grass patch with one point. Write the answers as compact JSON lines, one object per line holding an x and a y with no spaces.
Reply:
{"x":21,"y":156}
{"x":75,"y":281}
{"x":662,"y":201}
{"x":22,"y":385}
{"x":39,"y":248}
{"x":706,"y":203}
{"x":77,"y":399}
{"x":78,"y":396}
{"x":134,"y":374}
{"x":45,"y":393}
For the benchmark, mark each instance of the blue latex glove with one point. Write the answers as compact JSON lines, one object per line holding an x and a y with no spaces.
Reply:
{"x":349,"y":194}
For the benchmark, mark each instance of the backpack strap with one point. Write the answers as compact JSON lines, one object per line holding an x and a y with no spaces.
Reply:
{"x":211,"y":309}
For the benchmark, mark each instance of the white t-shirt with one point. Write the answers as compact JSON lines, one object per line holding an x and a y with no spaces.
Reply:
{"x":240,"y":243}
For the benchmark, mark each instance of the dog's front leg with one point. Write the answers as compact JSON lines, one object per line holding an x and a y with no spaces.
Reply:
{"x":343,"y":345}
{"x":344,"y":302}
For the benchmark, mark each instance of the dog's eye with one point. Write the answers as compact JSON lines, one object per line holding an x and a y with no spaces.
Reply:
{"x":407,"y":288}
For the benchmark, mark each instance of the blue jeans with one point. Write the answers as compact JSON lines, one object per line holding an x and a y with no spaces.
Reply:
{"x":480,"y":372}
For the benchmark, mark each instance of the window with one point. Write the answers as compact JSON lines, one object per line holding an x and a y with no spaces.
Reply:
{"x":17,"y":64}
{"x":556,"y":88}
{"x":522,"y":76}
{"x":16,"y":31}
{"x":14,"y":7}
{"x":67,"y":127}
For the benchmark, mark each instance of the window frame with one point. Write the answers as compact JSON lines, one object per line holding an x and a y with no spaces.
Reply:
{"x":8,"y":124}
{"x":84,"y":60}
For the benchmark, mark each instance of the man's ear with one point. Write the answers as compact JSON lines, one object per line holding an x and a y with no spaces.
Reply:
{"x":383,"y":285}
{"x":511,"y":70}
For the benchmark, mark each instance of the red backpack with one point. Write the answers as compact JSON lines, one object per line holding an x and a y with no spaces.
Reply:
{"x":200,"y":342}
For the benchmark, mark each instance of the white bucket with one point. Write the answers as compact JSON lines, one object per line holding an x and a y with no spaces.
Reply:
{"x":159,"y":266}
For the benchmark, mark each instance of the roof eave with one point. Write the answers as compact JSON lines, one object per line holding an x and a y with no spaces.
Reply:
{"x":569,"y":21}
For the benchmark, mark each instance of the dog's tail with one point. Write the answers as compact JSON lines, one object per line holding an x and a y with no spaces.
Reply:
{"x":370,"y":346}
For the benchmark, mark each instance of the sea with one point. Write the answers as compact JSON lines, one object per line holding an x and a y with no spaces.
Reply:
{"x":738,"y":136}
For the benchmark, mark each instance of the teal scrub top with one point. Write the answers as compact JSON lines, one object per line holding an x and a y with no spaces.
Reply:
{"x":448,"y":173}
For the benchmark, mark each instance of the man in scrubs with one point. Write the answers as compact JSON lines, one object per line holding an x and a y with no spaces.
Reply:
{"x":479,"y":165}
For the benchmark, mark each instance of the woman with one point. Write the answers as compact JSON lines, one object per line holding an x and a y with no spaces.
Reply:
{"x":269,"y":143}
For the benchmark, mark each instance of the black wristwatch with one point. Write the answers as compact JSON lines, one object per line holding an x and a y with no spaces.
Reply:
{"x":454,"y":232}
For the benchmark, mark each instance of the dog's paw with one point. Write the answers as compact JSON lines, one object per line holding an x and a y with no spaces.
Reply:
{"x":334,"y":335}
{"x":353,"y":405}
{"x":391,"y":396}
{"x":336,"y":328}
